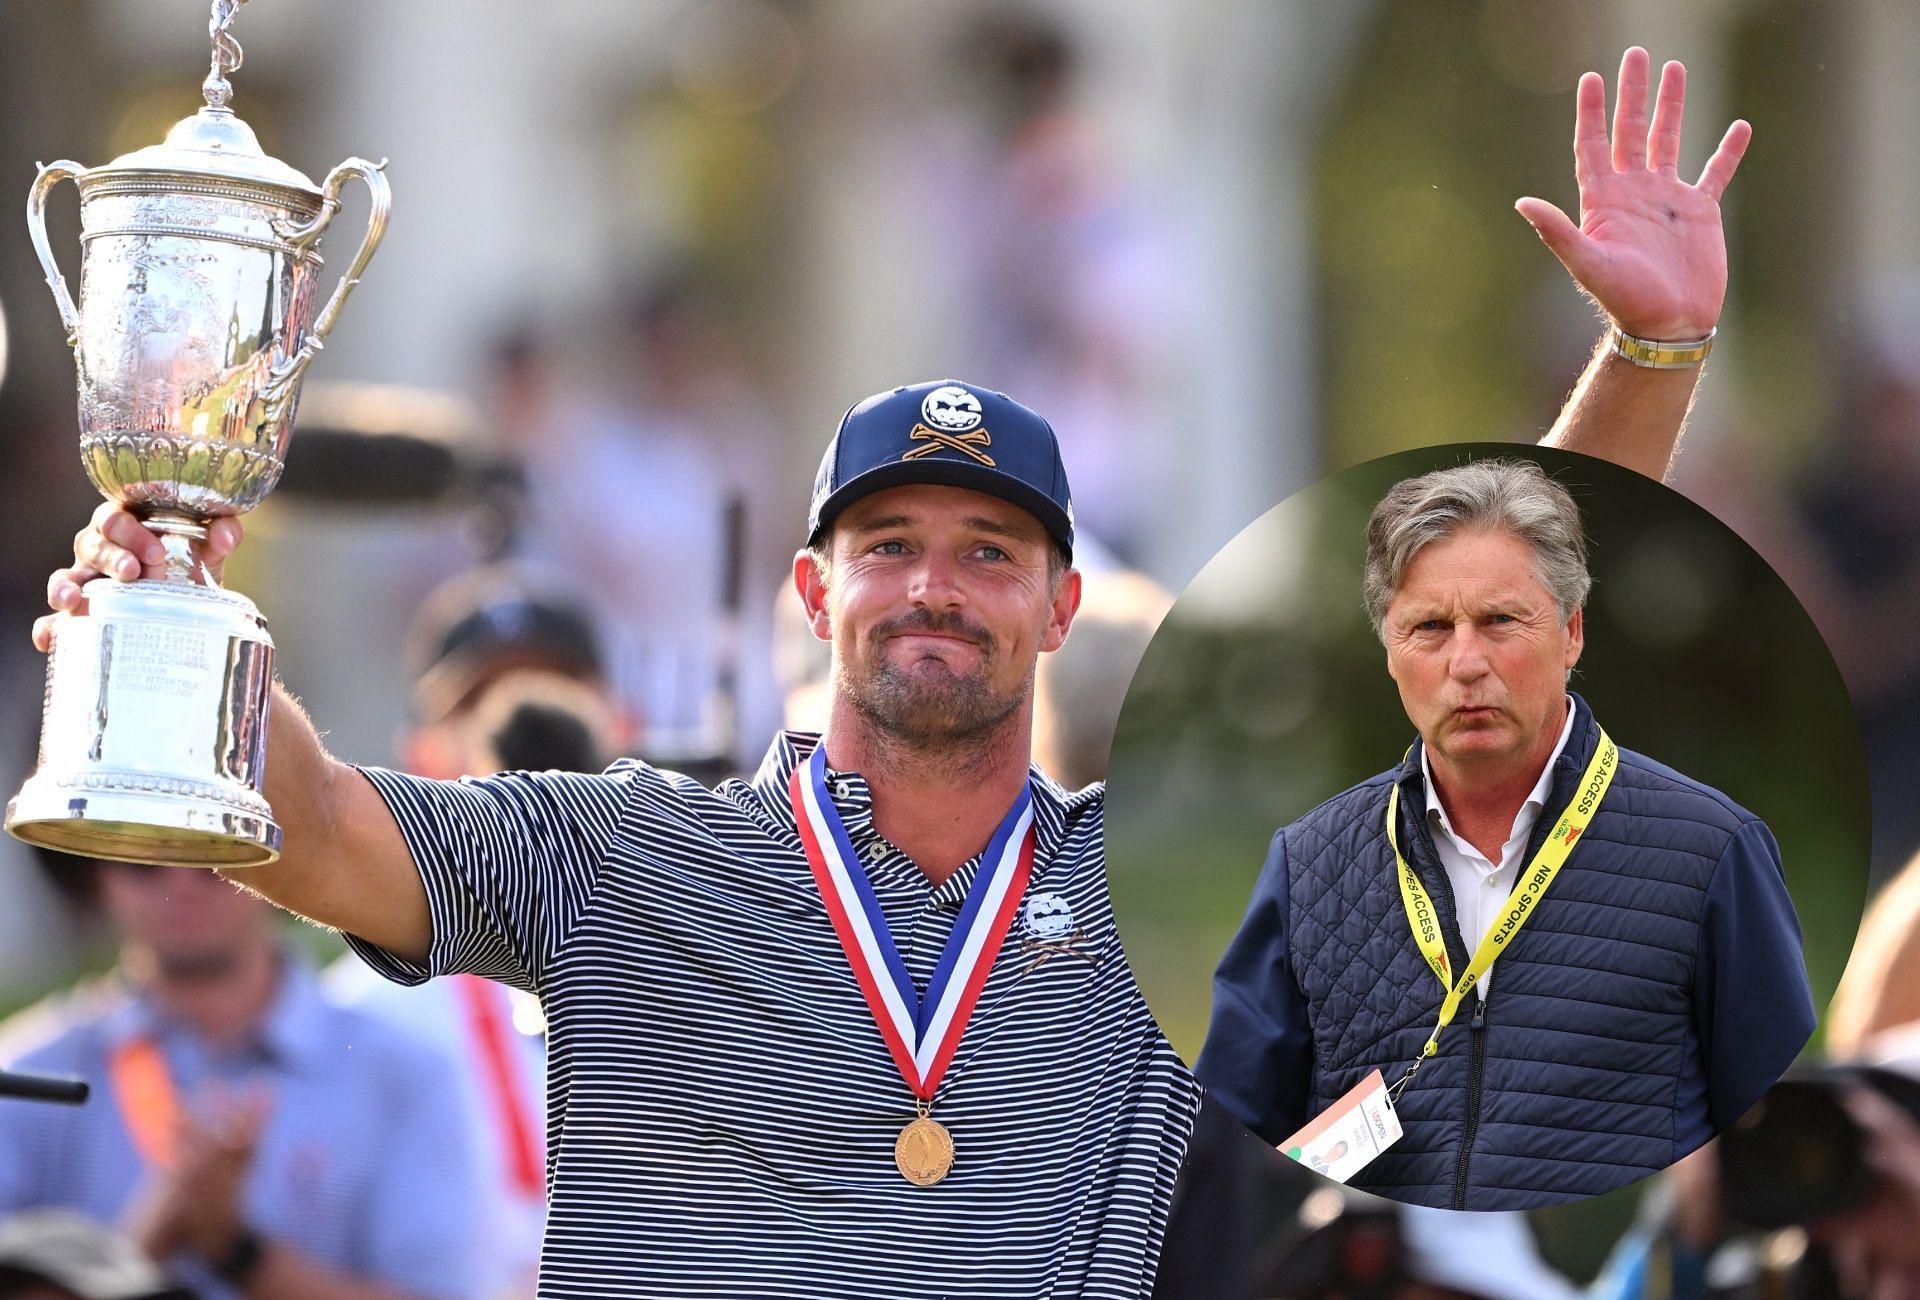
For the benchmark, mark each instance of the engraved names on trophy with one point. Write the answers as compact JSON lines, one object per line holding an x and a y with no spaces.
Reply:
{"x":161,"y":659}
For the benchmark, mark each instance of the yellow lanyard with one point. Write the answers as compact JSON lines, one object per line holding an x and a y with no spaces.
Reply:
{"x":1545,"y":866}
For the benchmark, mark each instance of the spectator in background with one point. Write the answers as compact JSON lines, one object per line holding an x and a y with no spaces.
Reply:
{"x":1879,"y":996}
{"x":1815,"y":1193}
{"x":253,"y":1135}
{"x":1839,"y":525}
{"x":1861,"y":552}
{"x":674,"y":441}
{"x":498,"y":622}
{"x":1079,"y":690}
{"x":506,"y":677}
{"x":1071,"y":294}
{"x":1827,"y":1164}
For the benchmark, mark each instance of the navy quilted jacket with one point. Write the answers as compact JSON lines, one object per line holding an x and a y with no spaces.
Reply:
{"x":1655,"y":993}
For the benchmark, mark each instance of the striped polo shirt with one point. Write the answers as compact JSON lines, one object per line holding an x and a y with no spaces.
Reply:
{"x":722,"y":1108}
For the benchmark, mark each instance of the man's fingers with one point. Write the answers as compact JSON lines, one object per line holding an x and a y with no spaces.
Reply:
{"x":1559,"y":233}
{"x":1663,"y":140}
{"x":1630,"y":112}
{"x":92,"y":550}
{"x":63,"y":589}
{"x":1725,"y":161}
{"x":128,"y":533}
{"x":1590,"y":158}
{"x":243,"y":1113}
{"x":116,"y":544}
{"x":224,"y":536}
{"x":230,"y":1116}
{"x":43,"y":632}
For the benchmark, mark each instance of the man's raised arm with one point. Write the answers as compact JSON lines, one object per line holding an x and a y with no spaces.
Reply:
{"x":1650,"y":251}
{"x":345,"y":863}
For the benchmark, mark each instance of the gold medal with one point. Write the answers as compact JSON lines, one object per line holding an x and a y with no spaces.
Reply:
{"x":924,"y":1150}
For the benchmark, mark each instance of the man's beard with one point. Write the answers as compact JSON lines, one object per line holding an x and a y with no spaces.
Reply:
{"x":926,"y":706}
{"x":213,"y":965}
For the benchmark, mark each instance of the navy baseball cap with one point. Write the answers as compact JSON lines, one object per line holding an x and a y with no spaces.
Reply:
{"x":950,"y":433}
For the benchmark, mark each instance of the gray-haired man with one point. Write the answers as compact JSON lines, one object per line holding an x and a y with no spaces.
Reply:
{"x":1650,"y":986}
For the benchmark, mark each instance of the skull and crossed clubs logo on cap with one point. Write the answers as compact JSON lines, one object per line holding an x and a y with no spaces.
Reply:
{"x":951,"y":416}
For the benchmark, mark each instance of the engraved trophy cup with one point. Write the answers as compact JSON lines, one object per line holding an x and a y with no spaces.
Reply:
{"x":199,"y":267}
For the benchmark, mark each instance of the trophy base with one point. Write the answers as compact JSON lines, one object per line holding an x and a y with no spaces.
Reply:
{"x":155,"y":829}
{"x":153,"y":735}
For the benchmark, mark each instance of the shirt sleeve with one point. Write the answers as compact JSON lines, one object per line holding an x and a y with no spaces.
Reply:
{"x":35,"y":1136}
{"x":22,"y":1125}
{"x":509,"y":862}
{"x":1753,"y":1005}
{"x":1258,"y":1057}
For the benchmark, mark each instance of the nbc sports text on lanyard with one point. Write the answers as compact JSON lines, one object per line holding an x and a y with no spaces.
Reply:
{"x":920,"y":1032}
{"x":1540,"y":872}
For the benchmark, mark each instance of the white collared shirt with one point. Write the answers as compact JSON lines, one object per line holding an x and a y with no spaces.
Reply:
{"x":1480,"y":888}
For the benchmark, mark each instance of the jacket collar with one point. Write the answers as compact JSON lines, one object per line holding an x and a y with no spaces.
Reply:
{"x":1573,"y":760}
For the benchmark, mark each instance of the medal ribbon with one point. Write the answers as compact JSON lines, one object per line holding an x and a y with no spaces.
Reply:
{"x":1540,"y":872}
{"x":921,"y":1033}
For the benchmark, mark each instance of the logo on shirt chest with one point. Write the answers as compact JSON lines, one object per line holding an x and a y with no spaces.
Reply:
{"x":1047,"y":930}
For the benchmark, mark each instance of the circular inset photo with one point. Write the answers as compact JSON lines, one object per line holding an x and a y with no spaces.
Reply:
{"x":1486,"y":825}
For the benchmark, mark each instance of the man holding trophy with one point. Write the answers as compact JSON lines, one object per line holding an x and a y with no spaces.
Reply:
{"x":232,"y":1135}
{"x":819,"y":1032}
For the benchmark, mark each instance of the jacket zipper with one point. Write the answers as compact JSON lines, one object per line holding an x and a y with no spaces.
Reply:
{"x":1478,"y":1027}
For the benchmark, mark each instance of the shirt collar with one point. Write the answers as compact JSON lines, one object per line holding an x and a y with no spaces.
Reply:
{"x":1529,"y":807}
{"x":293,"y":1031}
{"x":853,"y":799}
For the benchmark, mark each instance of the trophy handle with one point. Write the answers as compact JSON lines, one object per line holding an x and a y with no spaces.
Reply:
{"x":51,"y":174}
{"x":301,"y":234}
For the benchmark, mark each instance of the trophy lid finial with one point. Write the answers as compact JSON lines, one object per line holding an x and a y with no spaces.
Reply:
{"x":227,"y":54}
{"x":213,"y":143}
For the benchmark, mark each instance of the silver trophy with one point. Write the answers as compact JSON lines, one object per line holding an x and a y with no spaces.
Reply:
{"x":199,"y":265}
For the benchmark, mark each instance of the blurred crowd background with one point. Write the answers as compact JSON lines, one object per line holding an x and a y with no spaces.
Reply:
{"x":644,"y":255}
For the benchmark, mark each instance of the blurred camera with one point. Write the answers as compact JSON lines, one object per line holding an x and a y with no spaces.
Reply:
{"x":1344,"y":1247}
{"x":1798,"y":1156}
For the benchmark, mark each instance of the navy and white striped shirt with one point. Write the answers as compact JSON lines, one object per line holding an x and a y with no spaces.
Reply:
{"x":722,"y":1109}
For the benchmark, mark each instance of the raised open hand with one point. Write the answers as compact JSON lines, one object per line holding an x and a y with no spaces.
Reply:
{"x":1649,"y":247}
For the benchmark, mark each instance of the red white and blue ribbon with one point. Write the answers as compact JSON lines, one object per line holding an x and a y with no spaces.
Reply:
{"x":921,"y":1032}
